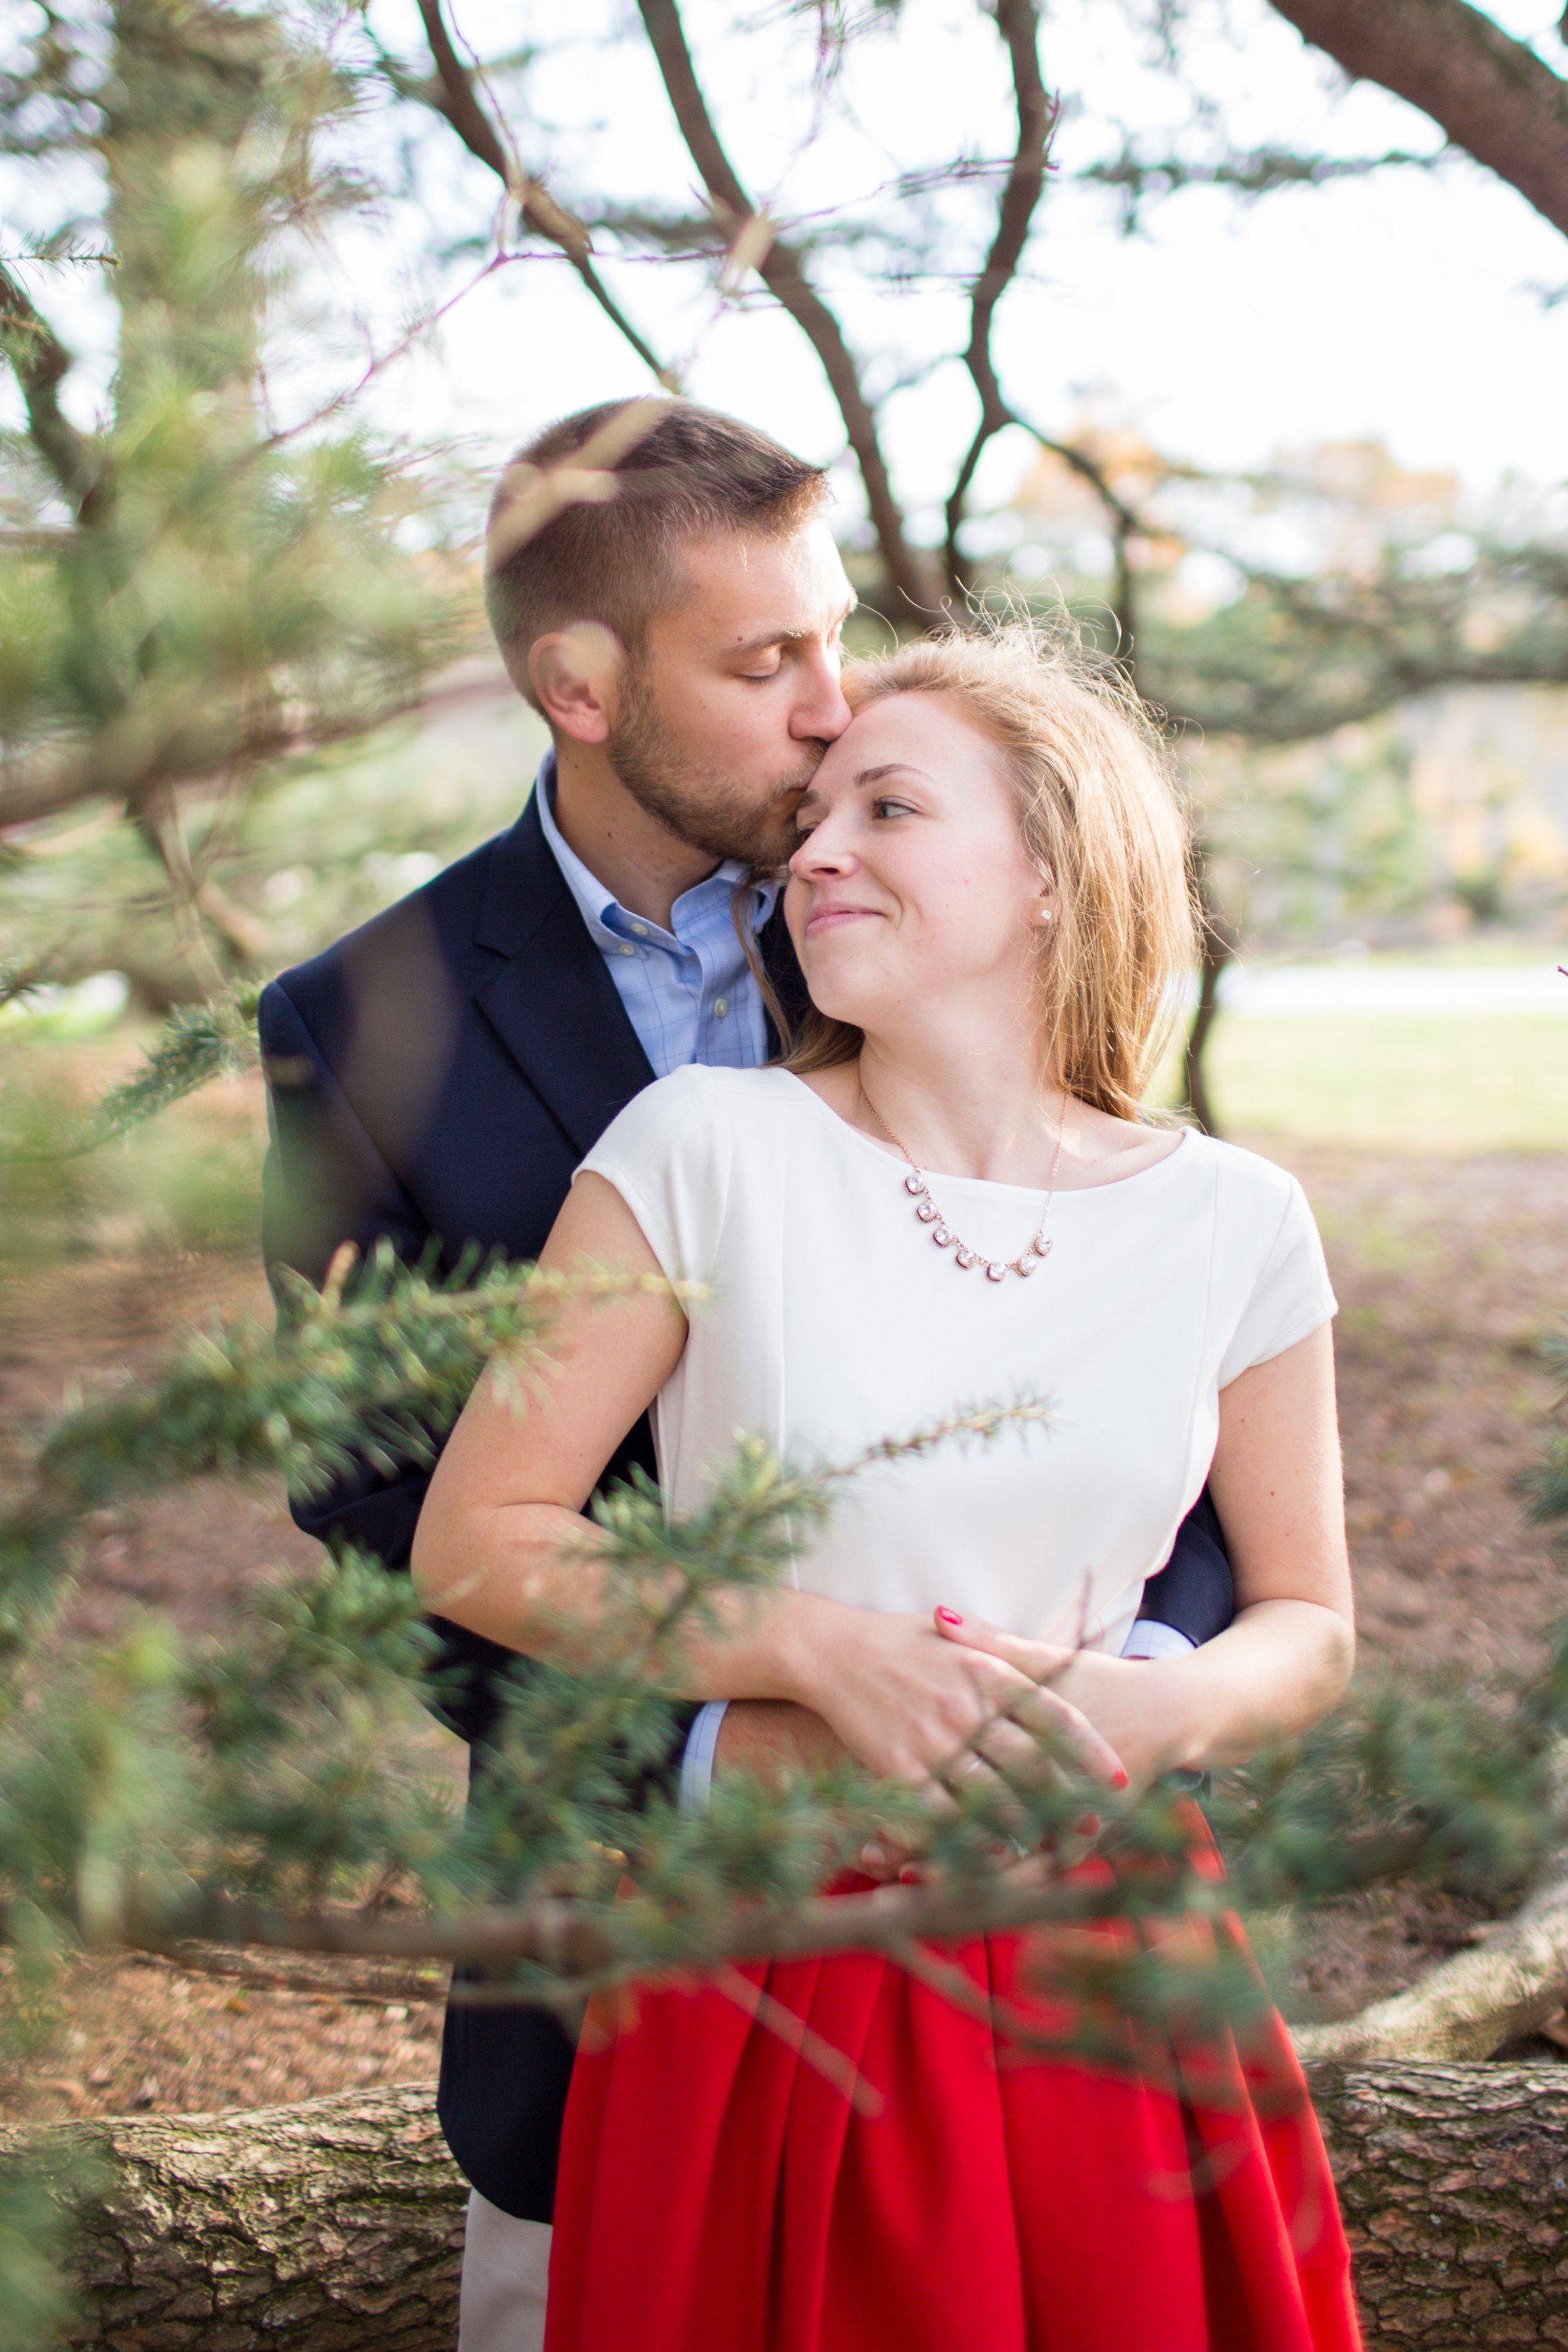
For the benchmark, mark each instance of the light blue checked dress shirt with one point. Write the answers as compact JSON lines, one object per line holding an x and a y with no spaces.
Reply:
{"x":691,"y":996}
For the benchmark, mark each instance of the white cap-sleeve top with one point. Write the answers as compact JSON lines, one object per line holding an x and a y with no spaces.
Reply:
{"x":834,"y":1322}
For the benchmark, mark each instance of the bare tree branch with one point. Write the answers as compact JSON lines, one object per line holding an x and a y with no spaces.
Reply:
{"x":908,"y":578}
{"x":1492,"y":95}
{"x":1018,"y":22}
{"x":540,"y":211}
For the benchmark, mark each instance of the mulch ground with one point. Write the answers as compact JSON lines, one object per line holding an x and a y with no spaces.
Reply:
{"x":1450,"y":1273}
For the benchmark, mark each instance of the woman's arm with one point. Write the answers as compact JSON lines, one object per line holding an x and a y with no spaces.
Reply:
{"x":1287,"y":1656}
{"x":501,"y":1547}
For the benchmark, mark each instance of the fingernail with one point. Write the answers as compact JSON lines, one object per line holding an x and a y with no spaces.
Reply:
{"x":949,"y":1617}
{"x":1119,"y":1778}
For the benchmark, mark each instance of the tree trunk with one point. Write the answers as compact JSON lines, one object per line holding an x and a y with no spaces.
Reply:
{"x":1452,"y":2182}
{"x":325,"y":2226}
{"x":1217,"y":943}
{"x":338,"y":2223}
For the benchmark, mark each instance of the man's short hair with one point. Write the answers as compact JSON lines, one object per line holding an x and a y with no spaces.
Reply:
{"x":692,"y":473}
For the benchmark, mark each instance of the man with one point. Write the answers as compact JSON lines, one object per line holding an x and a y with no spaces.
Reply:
{"x":437,"y":1077}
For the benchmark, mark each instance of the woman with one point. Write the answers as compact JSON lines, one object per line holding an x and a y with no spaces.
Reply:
{"x":990,"y":909}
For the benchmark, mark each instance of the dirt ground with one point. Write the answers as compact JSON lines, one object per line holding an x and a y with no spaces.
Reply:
{"x":1450,"y":1273}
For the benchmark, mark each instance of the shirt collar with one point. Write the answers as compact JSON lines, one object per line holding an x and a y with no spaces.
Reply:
{"x":607,"y":918}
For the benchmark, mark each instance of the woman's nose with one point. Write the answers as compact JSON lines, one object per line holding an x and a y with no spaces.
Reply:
{"x":825,"y":850}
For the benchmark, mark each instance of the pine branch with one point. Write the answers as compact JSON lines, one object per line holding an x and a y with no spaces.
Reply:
{"x":1253,"y":172}
{"x":200,"y":1044}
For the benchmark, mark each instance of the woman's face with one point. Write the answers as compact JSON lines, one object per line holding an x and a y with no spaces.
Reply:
{"x":912,"y":889}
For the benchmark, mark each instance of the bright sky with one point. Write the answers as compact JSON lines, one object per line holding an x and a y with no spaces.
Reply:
{"x":1406,"y":307}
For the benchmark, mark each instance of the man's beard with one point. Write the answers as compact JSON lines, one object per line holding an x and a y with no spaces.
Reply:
{"x":699,"y":805}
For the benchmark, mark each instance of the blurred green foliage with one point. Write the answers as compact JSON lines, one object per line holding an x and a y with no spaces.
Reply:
{"x":195,"y":596}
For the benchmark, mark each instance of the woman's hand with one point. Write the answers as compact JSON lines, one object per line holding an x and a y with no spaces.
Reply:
{"x":1287,"y":1655}
{"x":915,"y":1707}
{"x":1142,"y":1706}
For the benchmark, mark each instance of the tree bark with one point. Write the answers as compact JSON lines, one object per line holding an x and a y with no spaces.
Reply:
{"x":323,"y":2227}
{"x":304,"y":2228}
{"x":1452,"y":2183}
{"x":1217,"y":943}
{"x":1492,"y":95}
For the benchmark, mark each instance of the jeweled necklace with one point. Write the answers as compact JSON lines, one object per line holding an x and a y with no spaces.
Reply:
{"x":944,"y":1235}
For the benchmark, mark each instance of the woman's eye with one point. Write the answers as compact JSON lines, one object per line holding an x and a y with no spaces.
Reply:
{"x":886,"y":808}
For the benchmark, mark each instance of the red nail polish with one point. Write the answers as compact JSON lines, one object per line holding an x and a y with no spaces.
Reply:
{"x":950,"y":1616}
{"x":1119,"y":1779}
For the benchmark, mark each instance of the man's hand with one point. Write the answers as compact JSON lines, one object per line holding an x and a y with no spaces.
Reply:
{"x":775,"y":1740}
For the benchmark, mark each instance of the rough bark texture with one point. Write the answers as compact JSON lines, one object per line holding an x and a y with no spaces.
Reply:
{"x":338,"y":2223}
{"x":1492,"y":95}
{"x":325,"y":2226}
{"x":1454,"y":2184}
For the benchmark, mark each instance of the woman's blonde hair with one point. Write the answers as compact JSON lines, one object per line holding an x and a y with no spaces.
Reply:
{"x":1099,"y":816}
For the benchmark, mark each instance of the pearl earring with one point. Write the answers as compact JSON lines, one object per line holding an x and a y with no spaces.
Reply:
{"x":1044,"y":916}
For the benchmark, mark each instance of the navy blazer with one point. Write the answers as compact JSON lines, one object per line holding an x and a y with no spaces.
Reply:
{"x":435,"y":1078}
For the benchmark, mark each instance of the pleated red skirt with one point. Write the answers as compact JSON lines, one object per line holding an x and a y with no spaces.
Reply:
{"x":719,"y":2193}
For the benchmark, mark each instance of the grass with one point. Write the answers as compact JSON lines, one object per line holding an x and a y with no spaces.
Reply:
{"x":1475,"y":1082}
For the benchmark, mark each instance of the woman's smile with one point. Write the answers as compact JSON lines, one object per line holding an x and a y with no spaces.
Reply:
{"x":833,"y":915}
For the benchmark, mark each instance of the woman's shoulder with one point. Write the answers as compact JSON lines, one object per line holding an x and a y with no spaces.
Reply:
{"x":694,"y":1102}
{"x":698,"y":1091}
{"x":1252,"y":1193}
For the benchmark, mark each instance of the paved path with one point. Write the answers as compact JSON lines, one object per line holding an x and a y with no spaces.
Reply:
{"x":1433,"y":989}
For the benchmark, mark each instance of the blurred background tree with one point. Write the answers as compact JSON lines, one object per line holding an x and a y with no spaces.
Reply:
{"x":195,"y":596}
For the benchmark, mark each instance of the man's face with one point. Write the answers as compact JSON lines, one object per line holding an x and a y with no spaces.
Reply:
{"x":718,"y":730}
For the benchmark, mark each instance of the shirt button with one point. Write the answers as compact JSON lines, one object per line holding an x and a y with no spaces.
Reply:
{"x":640,"y":930}
{"x":721,"y":1006}
{"x":628,"y":950}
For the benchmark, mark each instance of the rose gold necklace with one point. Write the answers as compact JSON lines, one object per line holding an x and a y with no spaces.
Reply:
{"x":944,"y":1236}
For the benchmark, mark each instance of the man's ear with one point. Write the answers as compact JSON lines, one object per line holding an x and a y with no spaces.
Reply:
{"x":576,"y":673}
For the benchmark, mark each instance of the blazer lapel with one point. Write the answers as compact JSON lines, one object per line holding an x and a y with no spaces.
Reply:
{"x":552,"y":1003}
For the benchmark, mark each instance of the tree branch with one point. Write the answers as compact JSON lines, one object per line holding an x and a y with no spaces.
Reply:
{"x":909,"y":579}
{"x":540,"y":211}
{"x":1254,"y":172}
{"x":116,"y":761}
{"x":1018,"y":22}
{"x":41,"y":362}
{"x":1493,"y":96}
{"x":580,"y":1948}
{"x":1470,"y":2005}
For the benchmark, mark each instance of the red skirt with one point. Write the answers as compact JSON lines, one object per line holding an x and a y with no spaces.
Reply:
{"x":720,"y":2193}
